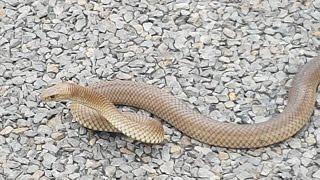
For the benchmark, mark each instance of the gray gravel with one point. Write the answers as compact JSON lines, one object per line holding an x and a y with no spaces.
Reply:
{"x":233,"y":61}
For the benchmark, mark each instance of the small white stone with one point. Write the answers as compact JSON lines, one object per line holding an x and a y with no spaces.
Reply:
{"x":311,"y":140}
{"x":147,"y":26}
{"x":223,"y":156}
{"x":54,"y":68}
{"x":82,"y":2}
{"x":316,"y":174}
{"x":6,"y":130}
{"x":229,"y":33}
{"x":229,"y":104}
{"x":203,"y":150}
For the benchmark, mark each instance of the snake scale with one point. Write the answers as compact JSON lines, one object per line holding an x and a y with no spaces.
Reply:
{"x":94,"y":107}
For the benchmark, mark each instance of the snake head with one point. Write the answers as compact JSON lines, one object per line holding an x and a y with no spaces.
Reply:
{"x":60,"y":91}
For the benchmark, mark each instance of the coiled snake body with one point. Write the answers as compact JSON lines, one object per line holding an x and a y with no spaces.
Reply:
{"x":94,"y":108}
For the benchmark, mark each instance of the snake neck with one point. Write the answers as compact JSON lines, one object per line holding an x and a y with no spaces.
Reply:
{"x":89,"y":97}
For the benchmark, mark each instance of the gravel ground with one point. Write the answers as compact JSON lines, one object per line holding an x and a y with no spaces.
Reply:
{"x":233,"y":61}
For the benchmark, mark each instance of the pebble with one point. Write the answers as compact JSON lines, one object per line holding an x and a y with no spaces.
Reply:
{"x":295,"y":143}
{"x":82,"y":2}
{"x":167,"y":167}
{"x":54,"y":68}
{"x":311,"y":140}
{"x":139,"y":172}
{"x":229,"y":33}
{"x":211,"y":100}
{"x":202,"y":150}
{"x":175,"y":149}
{"x":24,"y":9}
{"x":57,"y":136}
{"x":109,"y":171}
{"x":205,"y":173}
{"x":223,"y":156}
{"x":147,"y":26}
{"x":3,"y":90}
{"x":48,"y":159}
{"x":2,"y":13}
{"x":123,"y":76}
{"x":259,"y":110}
{"x":229,"y":104}
{"x":316,"y":174}
{"x":149,"y":169}
{"x":267,"y":168}
{"x":18,"y":80}
{"x":20,"y":130}
{"x":51,"y":147}
{"x":243,"y":175}
{"x":80,"y":24}
{"x":7,"y":130}
{"x":38,"y":174}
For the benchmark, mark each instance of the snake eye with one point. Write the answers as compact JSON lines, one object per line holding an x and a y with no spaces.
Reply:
{"x":52,"y":97}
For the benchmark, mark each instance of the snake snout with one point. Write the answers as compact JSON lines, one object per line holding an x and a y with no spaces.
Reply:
{"x":59,"y":91}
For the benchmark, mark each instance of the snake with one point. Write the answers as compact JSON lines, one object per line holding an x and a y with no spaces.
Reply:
{"x":94,"y":107}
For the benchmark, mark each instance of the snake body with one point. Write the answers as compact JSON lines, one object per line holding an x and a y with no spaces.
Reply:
{"x":95,"y":108}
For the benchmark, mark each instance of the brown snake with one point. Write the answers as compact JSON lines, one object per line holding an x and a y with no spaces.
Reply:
{"x":94,"y":108}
